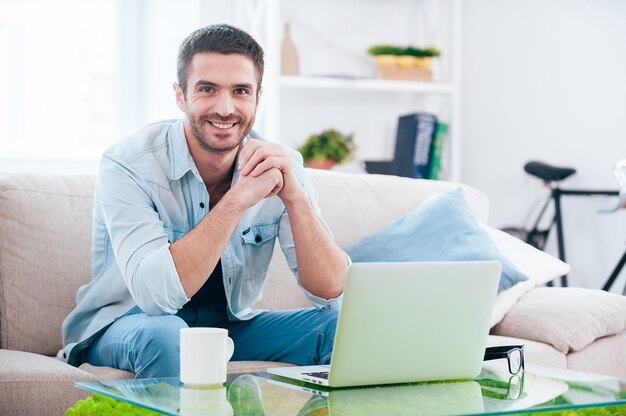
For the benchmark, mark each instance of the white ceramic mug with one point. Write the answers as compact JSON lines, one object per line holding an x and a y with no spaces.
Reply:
{"x":204,"y":355}
{"x":204,"y":401}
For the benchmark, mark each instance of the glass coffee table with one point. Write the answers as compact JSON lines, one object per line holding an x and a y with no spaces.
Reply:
{"x":495,"y":391}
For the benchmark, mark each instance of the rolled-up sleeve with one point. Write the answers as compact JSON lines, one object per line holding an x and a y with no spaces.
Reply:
{"x":138,"y":239}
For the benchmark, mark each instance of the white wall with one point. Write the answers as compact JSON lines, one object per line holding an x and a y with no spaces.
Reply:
{"x":547,"y":80}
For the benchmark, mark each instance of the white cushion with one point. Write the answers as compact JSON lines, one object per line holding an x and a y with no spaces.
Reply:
{"x":539,"y":266}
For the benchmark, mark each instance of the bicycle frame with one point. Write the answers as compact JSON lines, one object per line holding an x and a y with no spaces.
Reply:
{"x":557,"y":221}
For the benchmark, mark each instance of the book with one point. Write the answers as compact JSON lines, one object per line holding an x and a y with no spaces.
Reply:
{"x":382,"y":167}
{"x":413,"y":142}
{"x":425,"y":130}
{"x":439,"y":138}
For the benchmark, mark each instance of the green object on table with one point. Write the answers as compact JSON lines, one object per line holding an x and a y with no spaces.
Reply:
{"x":96,"y":405}
{"x":603,"y":411}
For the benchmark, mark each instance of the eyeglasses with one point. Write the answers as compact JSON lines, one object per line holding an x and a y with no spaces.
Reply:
{"x":514,"y":387}
{"x":514,"y":355}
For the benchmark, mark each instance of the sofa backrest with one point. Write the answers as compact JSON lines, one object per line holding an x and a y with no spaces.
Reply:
{"x":45,"y":252}
{"x":45,"y":245}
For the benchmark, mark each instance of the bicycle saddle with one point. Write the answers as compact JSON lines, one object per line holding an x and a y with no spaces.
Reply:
{"x":546,"y":172}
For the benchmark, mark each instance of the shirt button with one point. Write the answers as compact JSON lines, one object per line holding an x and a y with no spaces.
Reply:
{"x":201,"y":204}
{"x":257,"y":238}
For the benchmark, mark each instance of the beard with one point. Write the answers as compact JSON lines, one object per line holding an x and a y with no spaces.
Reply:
{"x":219,"y":143}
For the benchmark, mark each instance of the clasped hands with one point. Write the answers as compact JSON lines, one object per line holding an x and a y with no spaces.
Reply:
{"x":265,"y":170}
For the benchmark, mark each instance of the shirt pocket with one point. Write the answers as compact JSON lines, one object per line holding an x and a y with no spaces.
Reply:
{"x":259,"y":234}
{"x":257,"y":245}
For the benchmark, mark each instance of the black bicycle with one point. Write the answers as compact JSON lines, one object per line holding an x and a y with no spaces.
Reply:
{"x":552,"y":176}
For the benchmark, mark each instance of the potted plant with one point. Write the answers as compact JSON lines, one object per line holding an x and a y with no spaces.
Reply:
{"x":389,"y":55}
{"x":422,"y":57}
{"x":386,"y":55}
{"x":398,"y":62}
{"x":324,"y":150}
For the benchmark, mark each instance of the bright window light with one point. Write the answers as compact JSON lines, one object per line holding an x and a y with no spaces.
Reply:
{"x":58,"y":78}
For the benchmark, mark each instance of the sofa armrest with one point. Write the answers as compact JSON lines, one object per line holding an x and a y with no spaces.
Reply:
{"x":569,"y":319}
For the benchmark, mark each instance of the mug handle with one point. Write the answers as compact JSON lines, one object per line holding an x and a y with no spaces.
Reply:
{"x":230,"y":348}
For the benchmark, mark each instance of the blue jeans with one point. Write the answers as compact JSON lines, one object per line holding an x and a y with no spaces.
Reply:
{"x":149,"y":345}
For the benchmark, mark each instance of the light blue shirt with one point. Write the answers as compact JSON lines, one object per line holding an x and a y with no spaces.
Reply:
{"x":148,"y":195}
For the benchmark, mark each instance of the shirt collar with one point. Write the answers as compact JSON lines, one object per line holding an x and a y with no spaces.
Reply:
{"x":236,"y":172}
{"x":180,"y":157}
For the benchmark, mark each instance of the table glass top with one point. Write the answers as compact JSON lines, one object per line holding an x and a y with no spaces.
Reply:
{"x":495,"y":391}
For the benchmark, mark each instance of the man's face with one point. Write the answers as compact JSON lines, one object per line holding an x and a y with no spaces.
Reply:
{"x":221,"y":100}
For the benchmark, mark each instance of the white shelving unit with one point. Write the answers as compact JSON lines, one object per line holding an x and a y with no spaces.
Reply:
{"x":331,"y":83}
{"x":331,"y":37}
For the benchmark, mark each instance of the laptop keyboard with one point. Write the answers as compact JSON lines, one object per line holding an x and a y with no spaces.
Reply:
{"x":319,"y":374}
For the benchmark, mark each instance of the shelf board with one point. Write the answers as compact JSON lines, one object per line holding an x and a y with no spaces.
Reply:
{"x":365,"y":84}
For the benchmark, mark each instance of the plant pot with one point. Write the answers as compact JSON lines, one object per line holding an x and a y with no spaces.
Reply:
{"x":326,"y":164}
{"x":406,"y":61}
{"x":424,"y":62}
{"x":386,"y":61}
{"x":407,"y":74}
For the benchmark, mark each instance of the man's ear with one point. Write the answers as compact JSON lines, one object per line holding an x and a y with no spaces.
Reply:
{"x":181,"y":101}
{"x":258,"y":95}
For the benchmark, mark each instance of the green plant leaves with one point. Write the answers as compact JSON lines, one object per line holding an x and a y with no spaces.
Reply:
{"x":403,"y":50}
{"x":329,"y":144}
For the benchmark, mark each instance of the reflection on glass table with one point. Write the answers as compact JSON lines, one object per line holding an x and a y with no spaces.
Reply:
{"x":495,"y":391}
{"x":444,"y":398}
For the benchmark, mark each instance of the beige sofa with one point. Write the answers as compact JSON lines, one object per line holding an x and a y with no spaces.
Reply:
{"x":45,"y":229}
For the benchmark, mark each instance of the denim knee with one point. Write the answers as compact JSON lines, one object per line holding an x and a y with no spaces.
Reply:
{"x":327,"y":328}
{"x":157,"y":352}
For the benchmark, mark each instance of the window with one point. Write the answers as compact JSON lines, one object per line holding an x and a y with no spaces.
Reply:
{"x":58,"y":78}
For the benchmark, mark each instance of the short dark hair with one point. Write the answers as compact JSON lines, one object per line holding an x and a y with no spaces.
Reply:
{"x":220,"y":38}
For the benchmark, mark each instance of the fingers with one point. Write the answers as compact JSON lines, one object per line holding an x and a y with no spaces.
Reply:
{"x":275,"y":191}
{"x":257,"y":157}
{"x":278,"y":182}
{"x":253,"y":189}
{"x":269,"y":179}
{"x":271,"y":162}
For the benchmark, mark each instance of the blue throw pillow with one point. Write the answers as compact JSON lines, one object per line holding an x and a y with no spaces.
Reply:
{"x":440,"y":230}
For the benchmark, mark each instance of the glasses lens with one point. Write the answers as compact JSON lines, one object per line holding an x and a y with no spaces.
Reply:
{"x":515,"y":387}
{"x":515,"y":361}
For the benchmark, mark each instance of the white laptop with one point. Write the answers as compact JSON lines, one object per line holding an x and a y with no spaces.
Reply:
{"x":408,"y":322}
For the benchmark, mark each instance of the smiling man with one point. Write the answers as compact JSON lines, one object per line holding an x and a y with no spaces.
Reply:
{"x":186,"y":214}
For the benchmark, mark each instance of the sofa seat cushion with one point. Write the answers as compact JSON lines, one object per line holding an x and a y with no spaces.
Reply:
{"x":534,"y":352}
{"x":603,"y":356}
{"x":33,"y":384}
{"x":569,"y":319}
{"x":106,"y":373}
